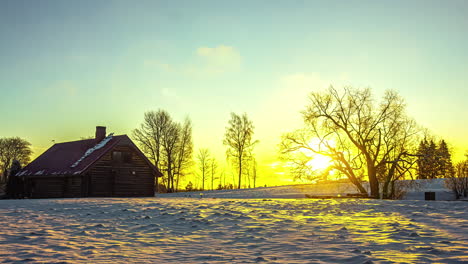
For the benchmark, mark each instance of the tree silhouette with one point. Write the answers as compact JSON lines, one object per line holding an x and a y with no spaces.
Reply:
{"x":213,"y":171}
{"x":167,"y":143}
{"x":362,"y":137}
{"x":239,"y":142}
{"x":434,"y":161}
{"x":458,"y":180}
{"x":203,"y":165}
{"x":445,"y":165}
{"x":15,"y":185}
{"x":184,"y":152}
{"x":11,"y":149}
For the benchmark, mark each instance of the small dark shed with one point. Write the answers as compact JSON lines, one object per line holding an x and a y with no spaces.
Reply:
{"x":106,"y":166}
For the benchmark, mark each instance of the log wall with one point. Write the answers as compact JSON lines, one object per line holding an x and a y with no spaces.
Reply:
{"x":108,"y":178}
{"x":52,"y":186}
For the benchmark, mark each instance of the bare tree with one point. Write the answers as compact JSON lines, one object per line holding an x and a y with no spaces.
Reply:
{"x":239,"y":142}
{"x":295,"y":146}
{"x":222,"y":178}
{"x":203,"y":165}
{"x":458,"y":182}
{"x":184,"y":152}
{"x":170,"y":139}
{"x":399,"y":142}
{"x":167,"y":143}
{"x":254,"y":171}
{"x":149,"y":136}
{"x":213,"y":171}
{"x":368,"y":138}
{"x":11,"y":149}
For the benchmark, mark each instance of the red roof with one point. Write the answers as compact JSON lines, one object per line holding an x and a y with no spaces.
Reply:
{"x":69,"y":157}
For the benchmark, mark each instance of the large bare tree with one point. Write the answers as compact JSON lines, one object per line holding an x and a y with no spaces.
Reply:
{"x":184,"y":152}
{"x":167,"y":143}
{"x":361,"y":136}
{"x":149,"y":135}
{"x":296,"y":146}
{"x":170,"y":139}
{"x":239,"y":142}
{"x":11,"y":149}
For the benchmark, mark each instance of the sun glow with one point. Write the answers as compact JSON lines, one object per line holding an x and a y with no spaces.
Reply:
{"x":319,"y":162}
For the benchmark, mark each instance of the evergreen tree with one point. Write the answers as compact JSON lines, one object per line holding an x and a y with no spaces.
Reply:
{"x":427,"y":160}
{"x":434,"y":161}
{"x":444,"y":161}
{"x":422,"y":159}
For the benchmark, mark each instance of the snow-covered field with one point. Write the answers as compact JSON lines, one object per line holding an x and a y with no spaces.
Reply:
{"x":287,"y":191}
{"x":208,"y":230}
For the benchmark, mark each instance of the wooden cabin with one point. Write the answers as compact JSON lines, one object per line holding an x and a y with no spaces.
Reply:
{"x":106,"y":166}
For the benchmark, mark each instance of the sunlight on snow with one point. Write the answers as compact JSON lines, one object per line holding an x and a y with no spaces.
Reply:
{"x":187,"y":230}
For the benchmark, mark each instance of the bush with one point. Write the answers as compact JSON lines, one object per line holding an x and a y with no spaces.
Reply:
{"x":189,"y":187}
{"x":458,"y":183}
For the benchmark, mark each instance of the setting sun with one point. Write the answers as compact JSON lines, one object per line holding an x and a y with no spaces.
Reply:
{"x":319,"y":162}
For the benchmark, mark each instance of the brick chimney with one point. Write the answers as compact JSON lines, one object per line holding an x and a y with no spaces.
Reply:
{"x":100,"y":134}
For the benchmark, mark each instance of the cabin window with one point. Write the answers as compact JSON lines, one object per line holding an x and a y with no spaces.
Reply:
{"x":122,"y":157}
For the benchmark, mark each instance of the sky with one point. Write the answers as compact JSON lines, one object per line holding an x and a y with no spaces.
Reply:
{"x":67,"y":66}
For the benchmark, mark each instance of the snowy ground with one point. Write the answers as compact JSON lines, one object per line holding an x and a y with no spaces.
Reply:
{"x":193,"y":230}
{"x":287,"y":191}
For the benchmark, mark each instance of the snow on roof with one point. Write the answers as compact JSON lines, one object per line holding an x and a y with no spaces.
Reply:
{"x":74,"y":157}
{"x":91,"y":150}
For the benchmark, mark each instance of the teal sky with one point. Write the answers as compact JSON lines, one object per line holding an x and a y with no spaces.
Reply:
{"x":67,"y":66}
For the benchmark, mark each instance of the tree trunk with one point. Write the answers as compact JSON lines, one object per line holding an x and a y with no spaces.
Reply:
{"x":169,"y":175}
{"x":254,"y":178}
{"x":350,"y":174}
{"x":373,"y":181}
{"x":203,"y":179}
{"x":358,"y":185}
{"x":240,"y":173}
{"x":385,"y":194}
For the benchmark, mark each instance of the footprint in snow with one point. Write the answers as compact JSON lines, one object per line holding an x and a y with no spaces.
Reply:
{"x":260,"y":259}
{"x":445,"y":242}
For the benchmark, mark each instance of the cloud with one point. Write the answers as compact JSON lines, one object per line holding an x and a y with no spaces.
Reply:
{"x":207,"y":62}
{"x":220,"y":56}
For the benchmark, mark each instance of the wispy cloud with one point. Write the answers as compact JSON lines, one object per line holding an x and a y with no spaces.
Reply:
{"x":207,"y":62}
{"x":221,"y":57}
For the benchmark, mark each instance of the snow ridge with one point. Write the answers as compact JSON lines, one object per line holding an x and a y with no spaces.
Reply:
{"x":91,"y":150}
